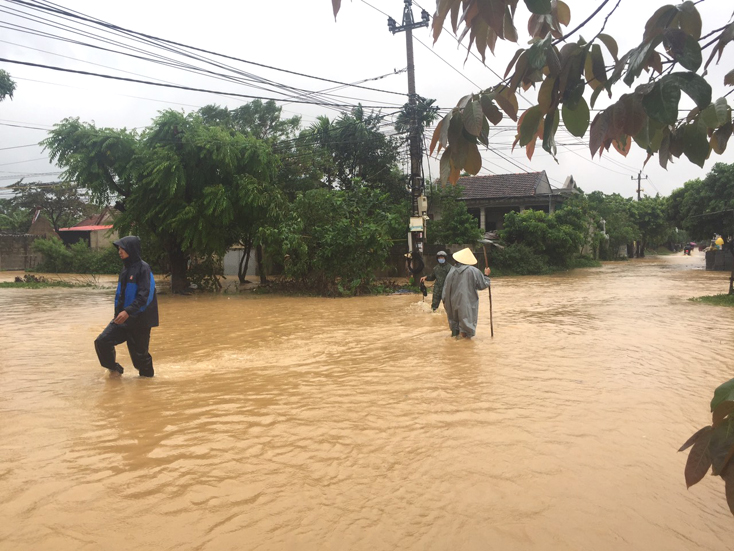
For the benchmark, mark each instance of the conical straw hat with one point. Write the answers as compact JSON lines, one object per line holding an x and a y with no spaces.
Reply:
{"x":465,"y":256}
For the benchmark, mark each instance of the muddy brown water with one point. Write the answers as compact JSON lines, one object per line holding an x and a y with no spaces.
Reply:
{"x":312,"y":424}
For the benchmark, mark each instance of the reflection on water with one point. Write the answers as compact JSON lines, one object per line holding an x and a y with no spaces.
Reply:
{"x":304,"y":423}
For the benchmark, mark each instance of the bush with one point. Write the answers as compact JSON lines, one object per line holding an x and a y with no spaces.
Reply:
{"x":76,"y":259}
{"x":333,"y":242}
{"x":518,"y":259}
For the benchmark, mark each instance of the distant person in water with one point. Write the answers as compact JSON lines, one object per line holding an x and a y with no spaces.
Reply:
{"x":136,"y":312}
{"x":439,"y":274}
{"x":460,"y":297}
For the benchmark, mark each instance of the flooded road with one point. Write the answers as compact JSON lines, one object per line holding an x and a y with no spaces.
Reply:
{"x":358,"y":424}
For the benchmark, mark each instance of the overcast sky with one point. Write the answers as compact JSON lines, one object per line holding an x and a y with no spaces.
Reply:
{"x":301,"y":37}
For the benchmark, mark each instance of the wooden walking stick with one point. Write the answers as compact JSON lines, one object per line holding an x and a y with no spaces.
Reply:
{"x":486,"y":265}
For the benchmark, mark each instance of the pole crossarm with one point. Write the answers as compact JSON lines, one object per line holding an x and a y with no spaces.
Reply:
{"x":408,"y":22}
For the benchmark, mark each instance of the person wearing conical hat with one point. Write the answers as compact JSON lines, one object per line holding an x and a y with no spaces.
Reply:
{"x":460,"y":297}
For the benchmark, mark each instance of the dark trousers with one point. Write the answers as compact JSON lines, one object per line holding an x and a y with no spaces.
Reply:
{"x":138,"y":340}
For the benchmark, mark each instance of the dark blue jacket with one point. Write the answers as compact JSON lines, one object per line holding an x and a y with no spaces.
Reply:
{"x":136,"y":292}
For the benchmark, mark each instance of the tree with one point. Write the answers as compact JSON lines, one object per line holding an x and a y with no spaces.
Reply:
{"x":352,"y":151}
{"x":61,"y":203}
{"x":333,"y":241}
{"x":650,"y":217}
{"x":182,"y":183}
{"x":619,"y":226}
{"x":7,"y":85}
{"x":455,"y":224}
{"x":13,"y":218}
{"x":705,"y":207}
{"x":264,"y":202}
{"x":671,"y":53}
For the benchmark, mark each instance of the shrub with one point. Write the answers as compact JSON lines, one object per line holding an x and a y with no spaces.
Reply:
{"x":518,"y":259}
{"x":76,"y":259}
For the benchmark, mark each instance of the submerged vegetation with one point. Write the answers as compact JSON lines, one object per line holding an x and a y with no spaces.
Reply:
{"x":715,"y":300}
{"x":30,"y":281}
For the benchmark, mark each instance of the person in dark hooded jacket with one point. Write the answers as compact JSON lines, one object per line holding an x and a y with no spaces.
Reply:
{"x":136,"y":312}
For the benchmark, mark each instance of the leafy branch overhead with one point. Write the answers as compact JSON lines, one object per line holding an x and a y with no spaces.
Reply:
{"x":570,"y":76}
{"x":712,"y":447}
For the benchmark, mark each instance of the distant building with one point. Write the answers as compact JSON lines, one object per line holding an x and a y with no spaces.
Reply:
{"x":97,"y":231}
{"x":489,"y":198}
{"x":41,"y":227}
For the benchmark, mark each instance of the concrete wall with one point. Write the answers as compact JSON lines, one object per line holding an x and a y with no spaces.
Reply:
{"x":719,"y":261}
{"x":232,"y":262}
{"x":102,"y":239}
{"x":16,"y":252}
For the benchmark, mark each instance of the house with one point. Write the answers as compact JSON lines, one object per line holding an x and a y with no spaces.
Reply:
{"x":96,"y":231}
{"x":40,"y":226}
{"x":489,"y":198}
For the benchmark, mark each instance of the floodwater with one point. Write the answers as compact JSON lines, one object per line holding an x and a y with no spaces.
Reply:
{"x":359,"y":424}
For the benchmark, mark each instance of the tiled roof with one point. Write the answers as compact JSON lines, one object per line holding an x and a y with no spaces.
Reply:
{"x":500,"y":185}
{"x":86,"y":228}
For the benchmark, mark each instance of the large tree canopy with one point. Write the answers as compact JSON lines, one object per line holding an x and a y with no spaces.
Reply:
{"x":181,"y":182}
{"x":669,"y":60}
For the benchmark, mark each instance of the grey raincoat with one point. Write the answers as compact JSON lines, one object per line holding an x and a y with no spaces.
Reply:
{"x":460,"y":297}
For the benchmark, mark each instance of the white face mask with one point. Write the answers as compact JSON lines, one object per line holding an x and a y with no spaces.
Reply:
{"x":441,"y":260}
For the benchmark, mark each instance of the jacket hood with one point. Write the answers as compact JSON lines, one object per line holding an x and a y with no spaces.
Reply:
{"x":131,"y":245}
{"x":461,"y":268}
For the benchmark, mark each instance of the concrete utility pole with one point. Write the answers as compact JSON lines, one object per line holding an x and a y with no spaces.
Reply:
{"x":639,"y":181}
{"x":417,"y":185}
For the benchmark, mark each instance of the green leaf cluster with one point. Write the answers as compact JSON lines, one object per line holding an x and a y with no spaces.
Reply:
{"x":333,"y":242}
{"x":453,"y":223}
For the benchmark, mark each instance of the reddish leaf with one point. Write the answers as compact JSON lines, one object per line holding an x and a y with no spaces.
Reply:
{"x":336,"y":4}
{"x":690,"y":19}
{"x":454,"y":176}
{"x":473,"y":160}
{"x":435,"y":138}
{"x":530,"y":148}
{"x":692,"y":440}
{"x":599,"y":129}
{"x":661,"y":19}
{"x":445,"y":165}
{"x":699,"y":461}
{"x":490,"y":110}
{"x":509,"y":27}
{"x":455,"y":7}
{"x":611,"y":45}
{"x":564,"y":13}
{"x":508,"y":102}
{"x":729,"y":78}
{"x":493,"y":13}
{"x":635,"y":114}
{"x":547,"y":95}
{"x":622,"y":145}
{"x":513,"y":60}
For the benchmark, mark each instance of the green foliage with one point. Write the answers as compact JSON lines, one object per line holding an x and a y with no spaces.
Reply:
{"x":455,"y":224}
{"x":351,"y":151}
{"x":712,"y":447}
{"x":716,"y":300}
{"x":7,"y":85}
{"x":615,"y":210}
{"x":556,"y":238}
{"x":61,"y":204}
{"x":76,"y":259}
{"x":332,"y":242}
{"x":563,"y":68}
{"x":30,"y":281}
{"x":13,"y":218}
{"x":182,"y":184}
{"x":705,"y":207}
{"x":423,"y":113}
{"x":518,"y":259}
{"x":650,"y":216}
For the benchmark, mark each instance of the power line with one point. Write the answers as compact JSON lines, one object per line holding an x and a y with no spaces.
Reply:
{"x":78,"y":15}
{"x":179,"y":87}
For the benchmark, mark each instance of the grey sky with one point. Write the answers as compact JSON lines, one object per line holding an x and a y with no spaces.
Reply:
{"x":303,"y":37}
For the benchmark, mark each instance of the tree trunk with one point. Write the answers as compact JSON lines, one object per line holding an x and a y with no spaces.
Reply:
{"x":245,"y":260}
{"x":179,"y":265}
{"x":260,"y":267}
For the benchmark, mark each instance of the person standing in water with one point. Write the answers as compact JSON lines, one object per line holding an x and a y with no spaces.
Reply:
{"x":136,"y":312}
{"x":460,"y":297}
{"x":439,"y":274}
